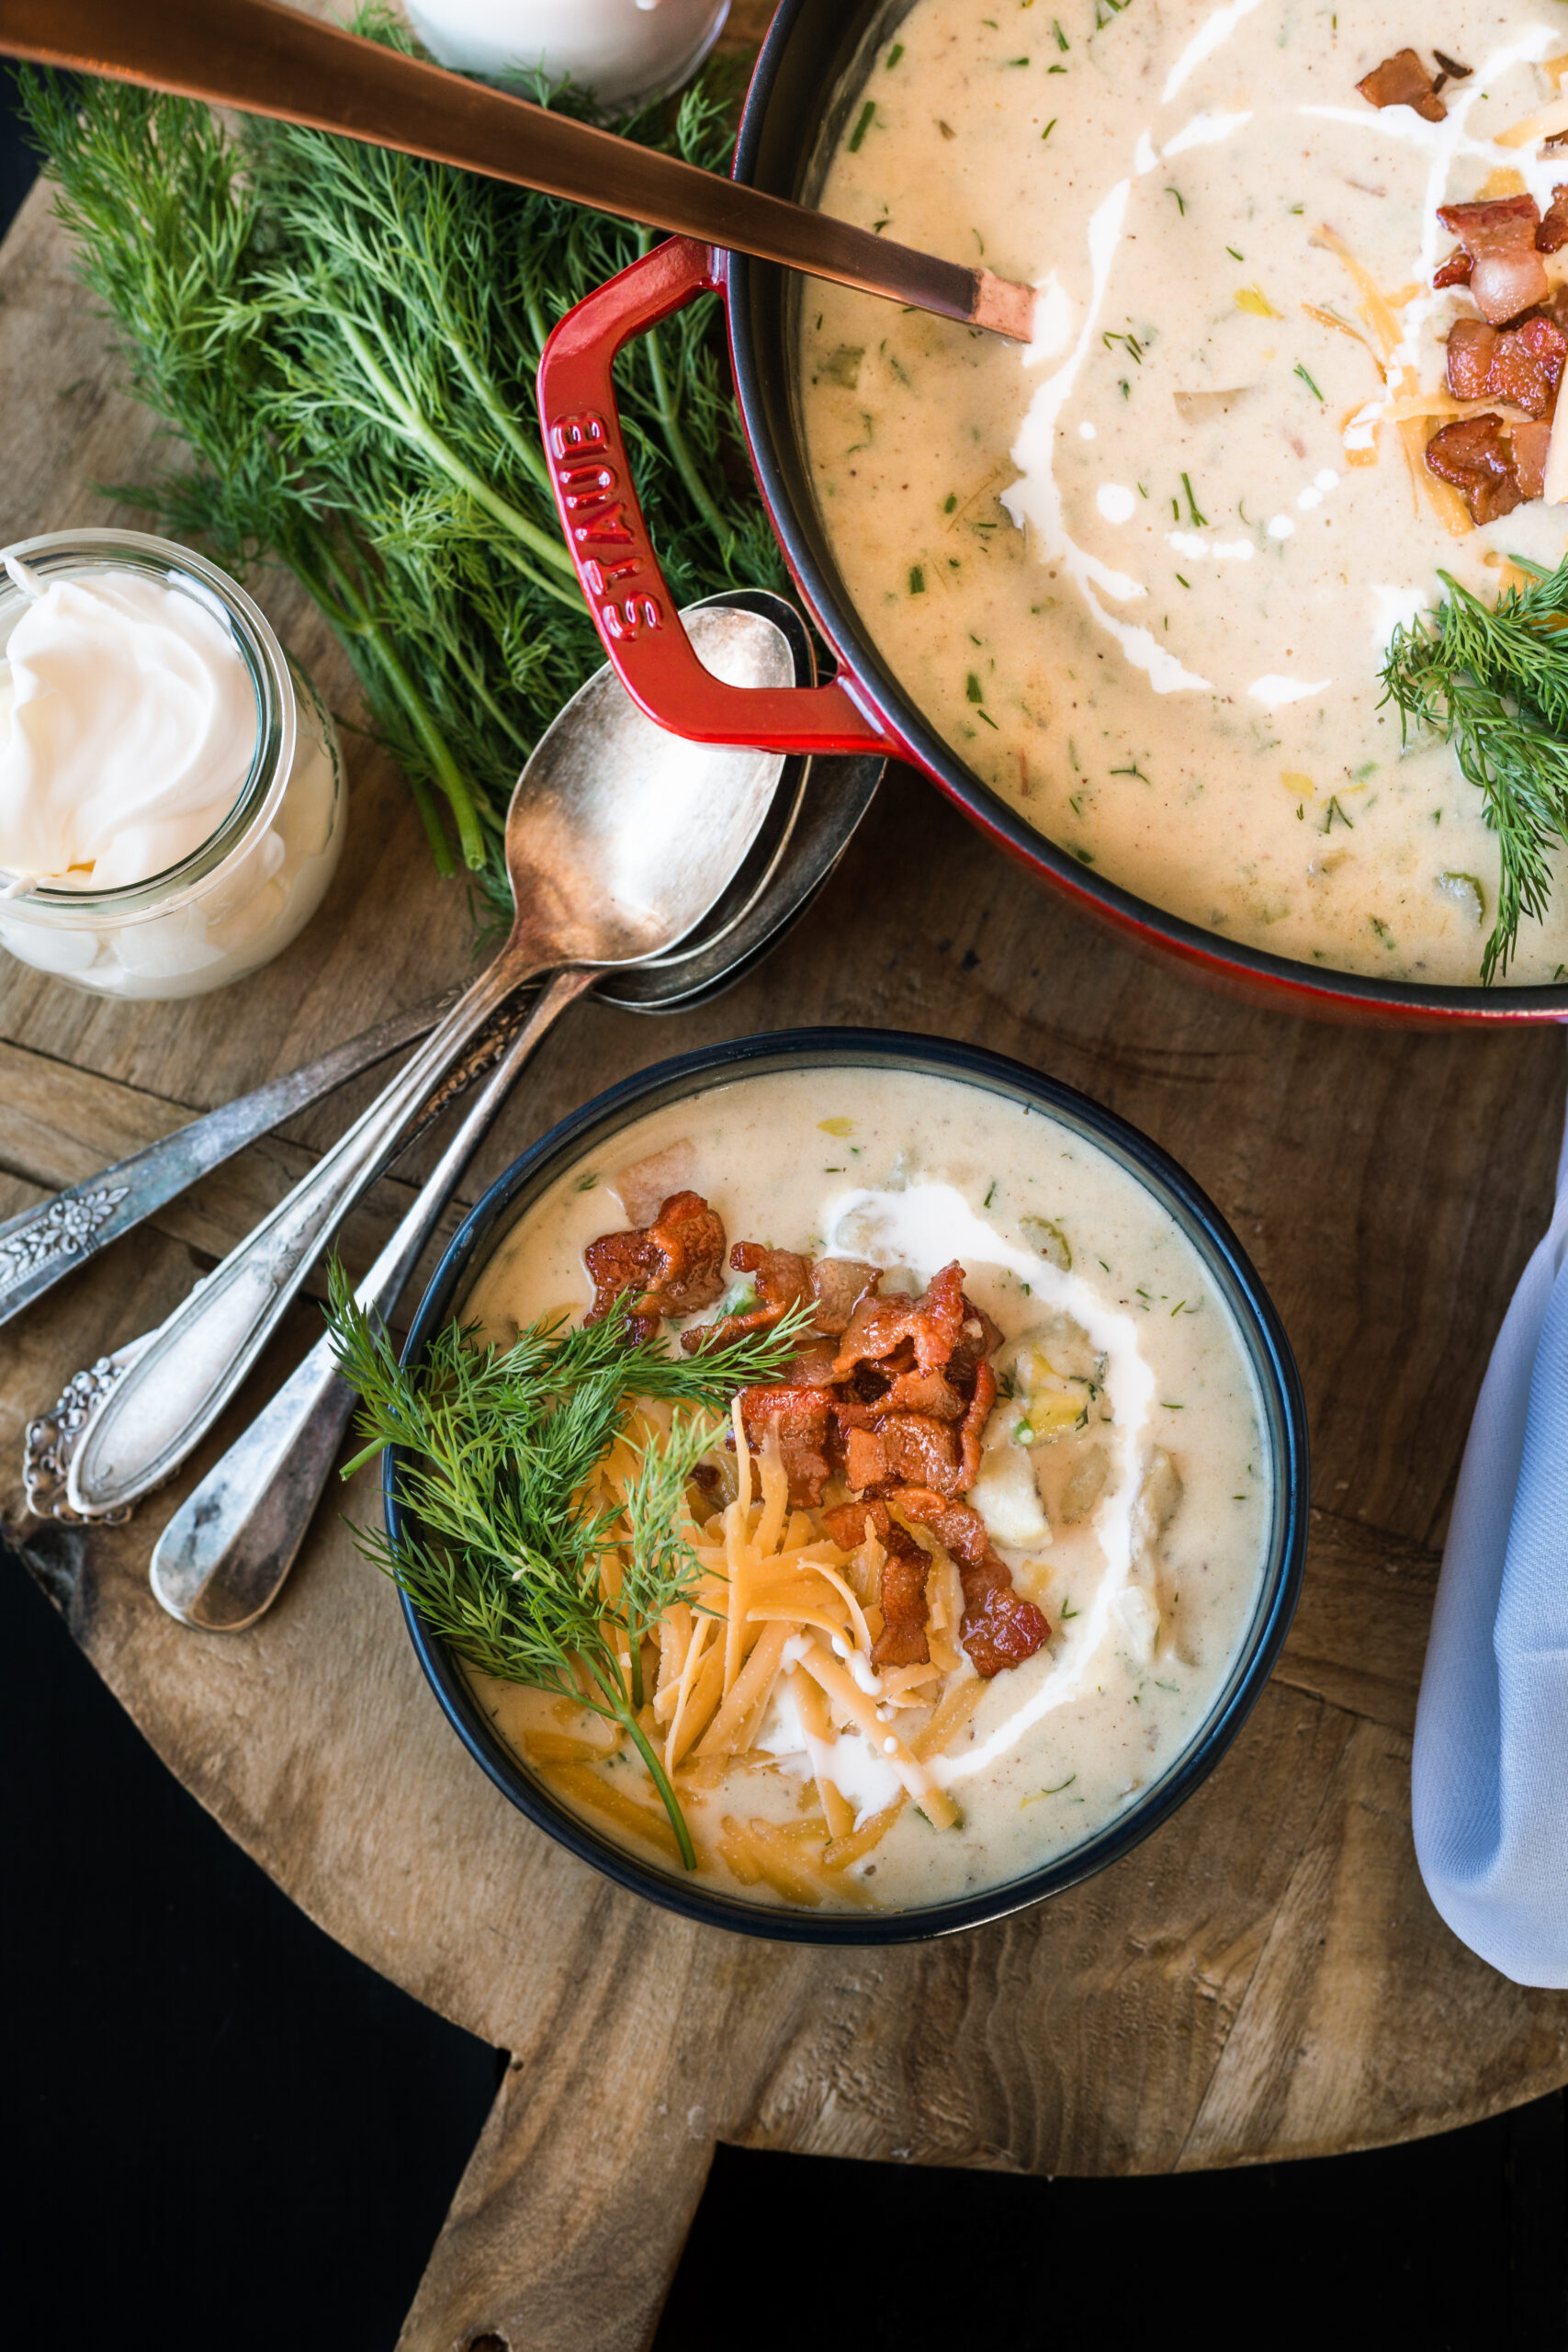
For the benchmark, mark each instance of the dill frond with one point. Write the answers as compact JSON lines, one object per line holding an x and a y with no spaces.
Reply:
{"x":343,"y":341}
{"x":1493,"y":681}
{"x":504,"y":1549}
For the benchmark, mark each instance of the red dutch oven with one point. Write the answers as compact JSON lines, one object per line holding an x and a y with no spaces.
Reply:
{"x":794,"y":113}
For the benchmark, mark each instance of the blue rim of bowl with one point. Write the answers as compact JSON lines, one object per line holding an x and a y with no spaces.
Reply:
{"x":1285,"y":1433}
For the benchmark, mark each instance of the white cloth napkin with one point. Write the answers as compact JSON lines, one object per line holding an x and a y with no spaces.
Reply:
{"x":1490,"y":1778}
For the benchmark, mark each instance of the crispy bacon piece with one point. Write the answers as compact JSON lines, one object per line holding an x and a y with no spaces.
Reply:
{"x":1403,"y":81}
{"x":802,"y":1418}
{"x":1455,"y":271}
{"x":1471,"y":343}
{"x":1475,"y":456}
{"x":781,"y":1279}
{"x":673,"y":1266}
{"x":920,"y":1392}
{"x":1531,"y":445}
{"x":813,"y":1367}
{"x":1527,"y":367}
{"x":999,"y":1629}
{"x":1553,"y":233}
{"x":902,"y":1596}
{"x":838,"y":1285}
{"x":1523,"y":365}
{"x":904,"y":1449}
{"x":982,"y":1397}
{"x":931,"y":1324}
{"x":1499,"y":233}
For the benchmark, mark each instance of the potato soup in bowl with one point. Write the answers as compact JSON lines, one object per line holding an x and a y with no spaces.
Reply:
{"x":981,"y":1576}
{"x":1301,"y":328}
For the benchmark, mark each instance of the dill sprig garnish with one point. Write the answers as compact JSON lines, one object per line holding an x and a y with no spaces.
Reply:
{"x":504,"y":1551}
{"x":1493,"y":681}
{"x":345,"y":341}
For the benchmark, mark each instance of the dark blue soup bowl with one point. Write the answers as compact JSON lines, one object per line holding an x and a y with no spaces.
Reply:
{"x":1283,"y":1430}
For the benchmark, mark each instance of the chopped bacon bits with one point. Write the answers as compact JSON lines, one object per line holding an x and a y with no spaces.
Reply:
{"x":999,"y":1629}
{"x":975,"y":1420}
{"x":1499,"y":234}
{"x":1403,"y":81}
{"x":1527,"y":365}
{"x":801,"y":1416}
{"x":673,"y":1266}
{"x":1553,"y":233}
{"x":1475,"y":455}
{"x":837,"y":1285}
{"x":1522,"y":365}
{"x":1471,"y":343}
{"x":1533,"y":445}
{"x":1455,"y":271}
{"x":932,"y":1324}
{"x":898,"y":1406}
{"x":780,"y":1276}
{"x":902,"y":1595}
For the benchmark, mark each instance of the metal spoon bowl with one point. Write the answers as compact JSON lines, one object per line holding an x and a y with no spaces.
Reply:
{"x":224,"y":1556}
{"x":620,"y":839}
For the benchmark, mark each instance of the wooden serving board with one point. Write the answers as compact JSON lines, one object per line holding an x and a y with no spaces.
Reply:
{"x":1262,"y":1978}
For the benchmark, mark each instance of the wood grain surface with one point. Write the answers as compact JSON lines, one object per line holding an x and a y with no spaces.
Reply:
{"x":1263,"y":1978}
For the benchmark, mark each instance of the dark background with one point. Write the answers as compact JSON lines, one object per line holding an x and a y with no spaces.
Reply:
{"x":227,"y":2133}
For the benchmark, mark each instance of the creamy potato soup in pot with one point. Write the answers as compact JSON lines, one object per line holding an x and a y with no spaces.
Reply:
{"x":1302,"y":321}
{"x":969,"y":1571}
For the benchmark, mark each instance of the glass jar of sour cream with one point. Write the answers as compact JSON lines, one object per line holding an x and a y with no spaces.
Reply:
{"x":171,"y":786}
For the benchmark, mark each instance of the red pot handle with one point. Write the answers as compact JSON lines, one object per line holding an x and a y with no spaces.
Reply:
{"x":631,"y":604}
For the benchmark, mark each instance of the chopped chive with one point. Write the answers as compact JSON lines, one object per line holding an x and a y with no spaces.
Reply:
{"x":917,"y":580}
{"x":893,"y":54}
{"x":1050,"y":127}
{"x":1300,"y":372}
{"x":867,"y":114}
{"x":1200,"y":521}
{"x":1181,"y":200}
{"x":972,"y":688}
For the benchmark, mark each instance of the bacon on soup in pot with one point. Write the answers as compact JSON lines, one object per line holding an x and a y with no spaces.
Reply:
{"x":1475,"y":454}
{"x":1403,"y":81}
{"x":1499,"y":233}
{"x":1522,"y":365}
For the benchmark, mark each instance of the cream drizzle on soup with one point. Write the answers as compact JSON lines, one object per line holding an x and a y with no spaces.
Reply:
{"x":1142,"y":576}
{"x":1124,"y":1480}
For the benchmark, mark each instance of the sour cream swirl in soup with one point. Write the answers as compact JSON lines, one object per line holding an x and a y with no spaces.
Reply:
{"x":1142,"y":576}
{"x":1122,"y":1488}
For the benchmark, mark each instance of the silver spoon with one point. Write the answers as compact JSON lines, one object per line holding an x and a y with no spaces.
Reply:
{"x":226,"y":1552}
{"x":619,"y":838}
{"x":41,"y":1246}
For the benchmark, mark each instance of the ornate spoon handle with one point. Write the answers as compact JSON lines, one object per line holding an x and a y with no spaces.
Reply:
{"x":166,"y":1401}
{"x":224,"y":1557}
{"x":43,"y":1245}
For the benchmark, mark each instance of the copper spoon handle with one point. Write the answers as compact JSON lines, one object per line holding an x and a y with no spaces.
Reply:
{"x":265,"y":59}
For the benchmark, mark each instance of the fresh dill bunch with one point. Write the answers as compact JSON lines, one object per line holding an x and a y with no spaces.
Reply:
{"x":345,"y":340}
{"x":505,"y":1549}
{"x":1493,"y":681}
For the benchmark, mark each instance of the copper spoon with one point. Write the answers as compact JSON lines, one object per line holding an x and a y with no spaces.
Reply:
{"x":265,"y":59}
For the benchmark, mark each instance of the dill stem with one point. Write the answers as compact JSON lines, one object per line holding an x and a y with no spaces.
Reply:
{"x":527,"y":453}
{"x":671,"y":1802}
{"x":423,"y":434}
{"x":359,"y":624}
